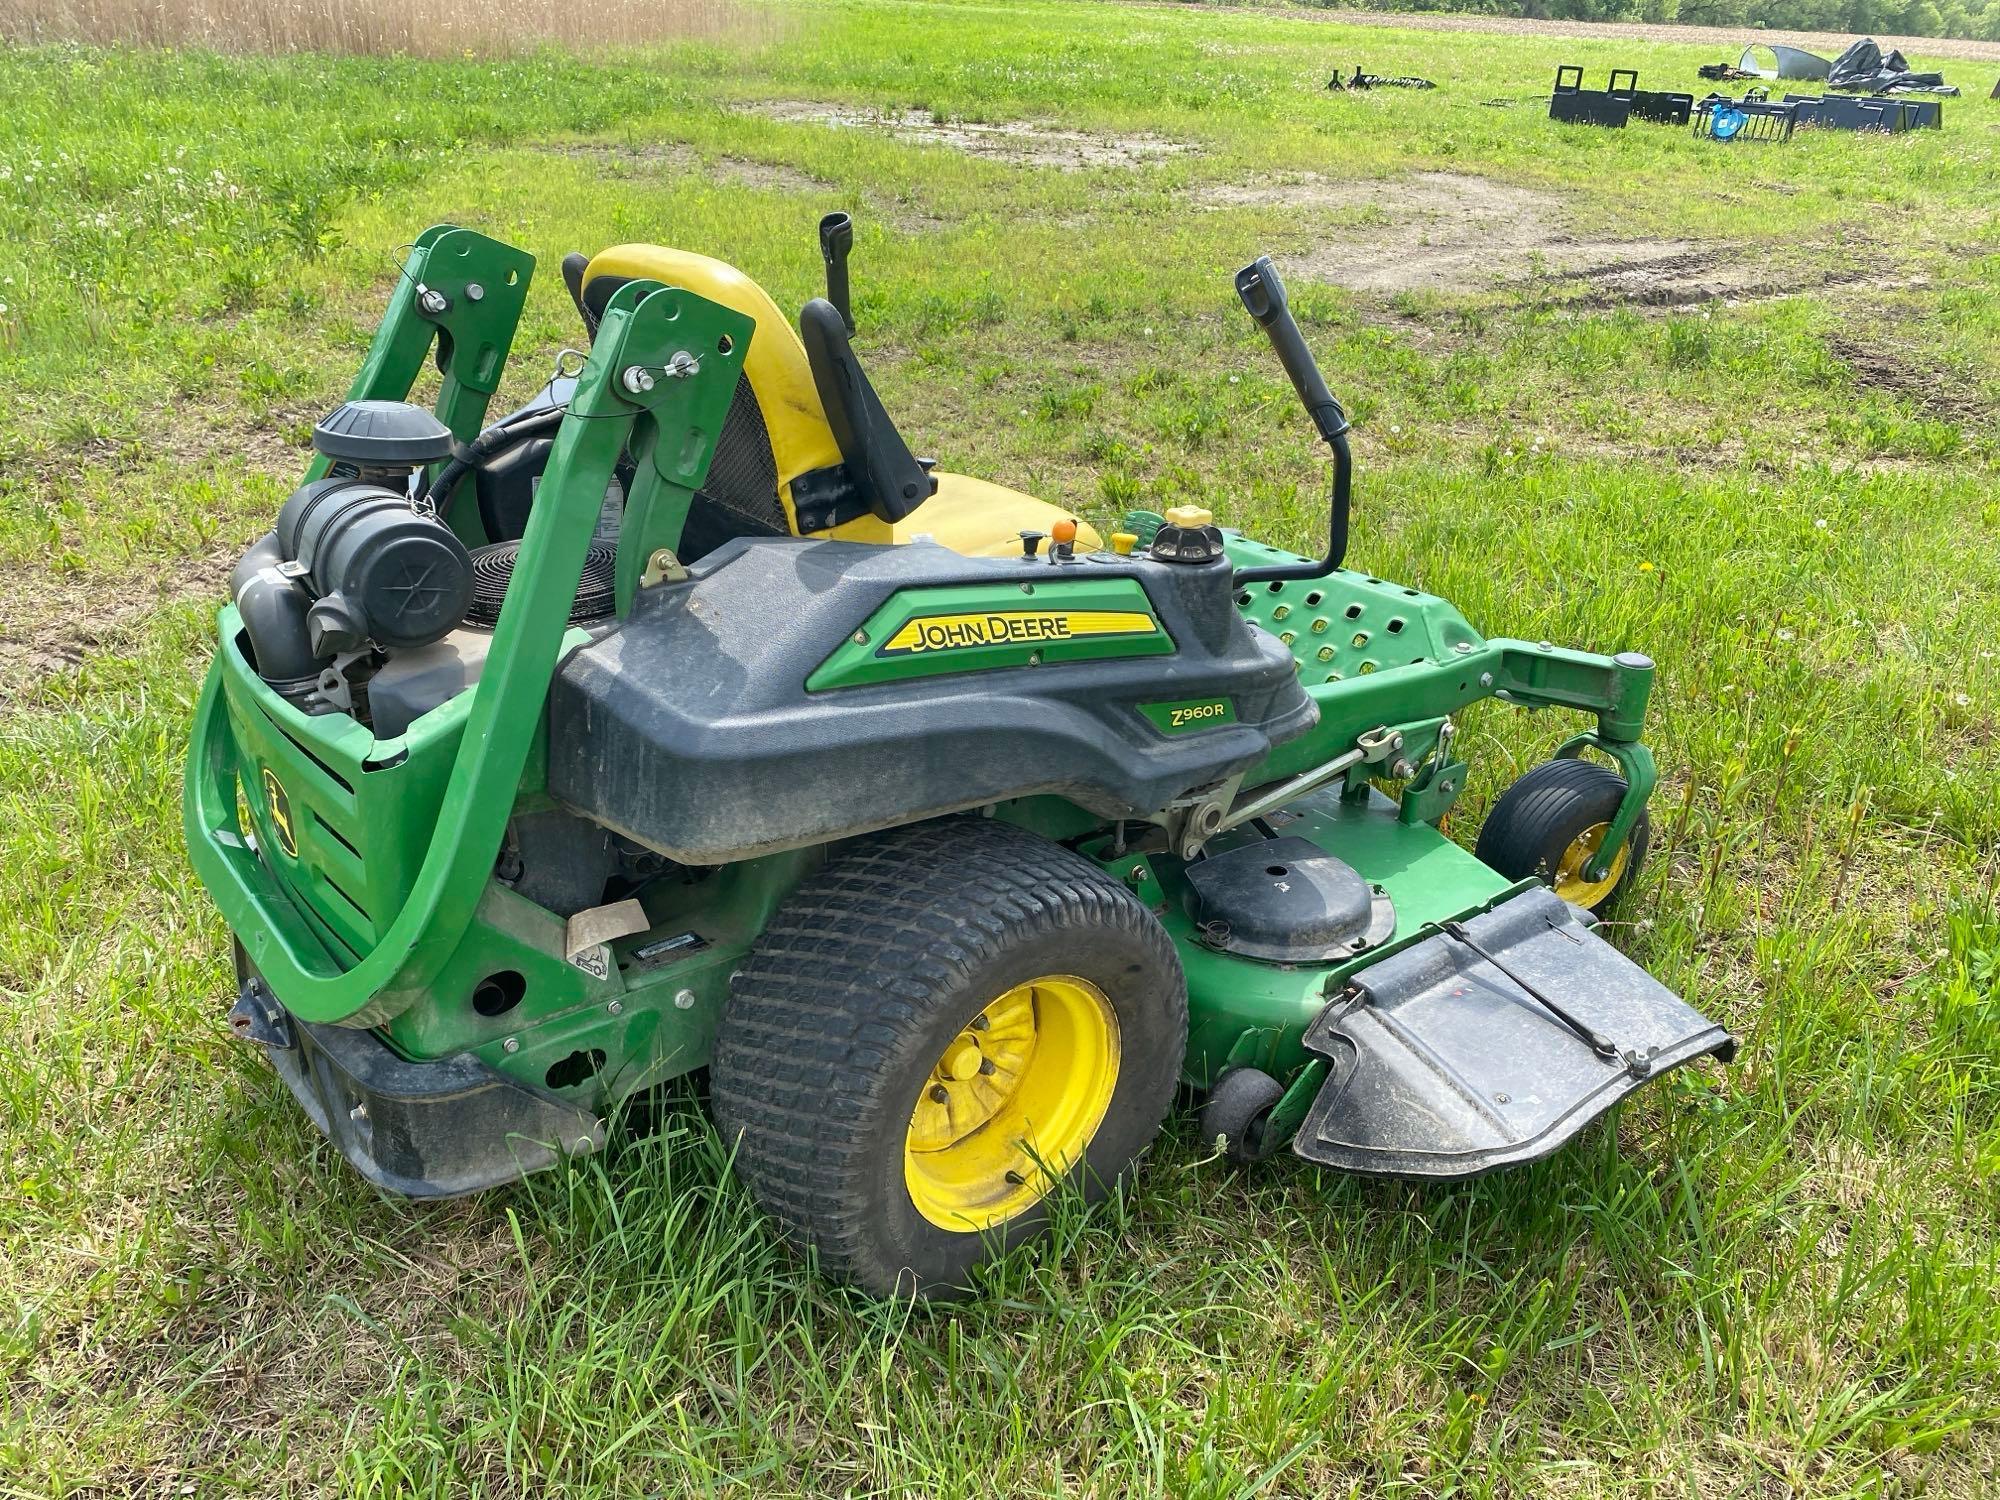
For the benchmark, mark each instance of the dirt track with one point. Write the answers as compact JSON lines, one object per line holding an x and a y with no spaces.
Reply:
{"x":1731,"y":39}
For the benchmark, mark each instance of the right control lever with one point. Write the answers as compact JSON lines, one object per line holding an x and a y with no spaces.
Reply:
{"x":836,"y":238}
{"x":1263,"y":295}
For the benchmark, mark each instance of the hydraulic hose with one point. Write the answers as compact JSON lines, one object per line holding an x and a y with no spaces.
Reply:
{"x":1263,"y":297}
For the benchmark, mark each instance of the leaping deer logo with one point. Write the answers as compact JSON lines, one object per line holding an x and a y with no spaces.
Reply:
{"x":281,"y":814}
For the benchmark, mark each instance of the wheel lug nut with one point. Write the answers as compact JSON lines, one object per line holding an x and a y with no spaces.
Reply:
{"x":980,"y":1023}
{"x":986,"y":1065}
{"x":938,"y":1094}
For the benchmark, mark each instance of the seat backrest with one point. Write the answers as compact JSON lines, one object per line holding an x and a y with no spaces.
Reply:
{"x":776,"y":430}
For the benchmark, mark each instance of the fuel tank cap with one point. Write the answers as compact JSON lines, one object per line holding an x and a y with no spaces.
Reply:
{"x":1187,"y":534}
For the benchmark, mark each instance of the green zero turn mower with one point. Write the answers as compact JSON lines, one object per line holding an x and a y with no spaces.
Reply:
{"x":685,"y":719}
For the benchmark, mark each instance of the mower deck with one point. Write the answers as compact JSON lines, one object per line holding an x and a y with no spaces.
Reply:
{"x":1432,"y":1060}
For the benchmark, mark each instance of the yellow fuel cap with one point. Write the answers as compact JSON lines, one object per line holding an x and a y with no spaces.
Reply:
{"x":1122,"y":542}
{"x":1190,"y":517}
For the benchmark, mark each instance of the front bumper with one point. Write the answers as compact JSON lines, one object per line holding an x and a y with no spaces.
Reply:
{"x":421,"y":1129}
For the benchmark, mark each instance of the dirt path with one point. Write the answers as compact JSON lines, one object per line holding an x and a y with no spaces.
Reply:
{"x":1457,"y":232}
{"x":1729,"y":39}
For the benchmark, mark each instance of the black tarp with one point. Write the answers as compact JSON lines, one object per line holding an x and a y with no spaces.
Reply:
{"x":1863,"y":69}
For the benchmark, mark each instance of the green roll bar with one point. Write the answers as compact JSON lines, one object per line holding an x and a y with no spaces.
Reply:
{"x":658,"y":382}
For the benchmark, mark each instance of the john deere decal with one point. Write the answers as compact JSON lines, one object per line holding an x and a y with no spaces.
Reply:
{"x":281,"y":814}
{"x":1195,"y":713}
{"x":1012,"y":627}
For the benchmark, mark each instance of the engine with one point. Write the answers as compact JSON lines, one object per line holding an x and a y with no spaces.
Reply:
{"x":354,"y":567}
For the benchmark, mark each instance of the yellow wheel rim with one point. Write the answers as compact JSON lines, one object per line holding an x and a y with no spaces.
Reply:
{"x":1012,"y":1103}
{"x":1572,"y":885}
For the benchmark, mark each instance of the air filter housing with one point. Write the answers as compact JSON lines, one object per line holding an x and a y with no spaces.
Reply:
{"x":492,"y":567}
{"x":377,"y":569}
{"x":382,"y":437}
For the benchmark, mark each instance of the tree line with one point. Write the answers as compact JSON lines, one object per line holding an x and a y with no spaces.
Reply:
{"x":1979,"y":19}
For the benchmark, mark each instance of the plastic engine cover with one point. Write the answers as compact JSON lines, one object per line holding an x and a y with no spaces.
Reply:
{"x":690,"y":728}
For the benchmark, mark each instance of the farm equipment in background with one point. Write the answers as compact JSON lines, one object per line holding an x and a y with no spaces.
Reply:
{"x":1571,"y":103}
{"x":1754,"y":117}
{"x":1887,"y":113}
{"x":685,"y":719}
{"x":1365,"y":81}
{"x":1758,"y":117}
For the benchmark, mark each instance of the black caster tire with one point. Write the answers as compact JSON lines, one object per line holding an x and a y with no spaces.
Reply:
{"x":1236,"y":1112}
{"x":1548,"y":826}
{"x":937,"y":1031}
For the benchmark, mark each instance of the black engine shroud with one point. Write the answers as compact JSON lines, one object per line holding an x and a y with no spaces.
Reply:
{"x":688,"y":727}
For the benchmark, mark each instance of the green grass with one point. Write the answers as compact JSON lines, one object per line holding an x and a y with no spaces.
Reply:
{"x":1777,"y":1278}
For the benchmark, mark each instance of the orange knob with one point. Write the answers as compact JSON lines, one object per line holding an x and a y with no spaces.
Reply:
{"x":1064,"y":531}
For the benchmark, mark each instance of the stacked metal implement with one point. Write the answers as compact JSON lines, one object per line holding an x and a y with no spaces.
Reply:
{"x":1614,"y":105}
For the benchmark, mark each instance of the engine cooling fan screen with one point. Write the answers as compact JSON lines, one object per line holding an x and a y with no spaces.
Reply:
{"x":493,"y":566}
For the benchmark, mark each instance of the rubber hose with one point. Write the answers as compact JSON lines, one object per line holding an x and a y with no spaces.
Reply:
{"x":495,"y":439}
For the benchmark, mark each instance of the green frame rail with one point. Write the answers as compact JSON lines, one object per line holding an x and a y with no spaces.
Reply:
{"x":1373,"y":652}
{"x":658,"y":381}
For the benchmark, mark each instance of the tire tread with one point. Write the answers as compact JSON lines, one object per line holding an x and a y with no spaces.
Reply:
{"x":849,"y":969}
{"x":1536,"y":817}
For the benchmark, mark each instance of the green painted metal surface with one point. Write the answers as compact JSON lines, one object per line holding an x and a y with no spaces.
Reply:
{"x":483,"y":284}
{"x":650,"y":1017}
{"x":1373,"y":652}
{"x":448,"y":794}
{"x":1241,"y":1011}
{"x":975,"y":628}
{"x":1635,"y":764}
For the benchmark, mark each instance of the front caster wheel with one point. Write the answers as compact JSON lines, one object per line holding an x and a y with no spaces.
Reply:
{"x":936,"y":1031}
{"x":1550,"y":824}
{"x":1237,"y":1112}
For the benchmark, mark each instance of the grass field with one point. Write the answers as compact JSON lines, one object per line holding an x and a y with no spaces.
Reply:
{"x":1732,"y":406}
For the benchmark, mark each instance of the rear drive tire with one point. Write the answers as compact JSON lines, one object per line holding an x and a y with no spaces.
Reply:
{"x":1548,"y":826}
{"x":929,"y":1001}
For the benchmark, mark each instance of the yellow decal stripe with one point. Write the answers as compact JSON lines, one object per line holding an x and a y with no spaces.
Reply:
{"x":1013,"y":627}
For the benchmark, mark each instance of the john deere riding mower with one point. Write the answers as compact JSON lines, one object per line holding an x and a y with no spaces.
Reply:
{"x":686,"y":719}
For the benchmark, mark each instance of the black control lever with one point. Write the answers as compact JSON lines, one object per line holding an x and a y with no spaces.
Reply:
{"x":1263,"y":297}
{"x":836,"y":238}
